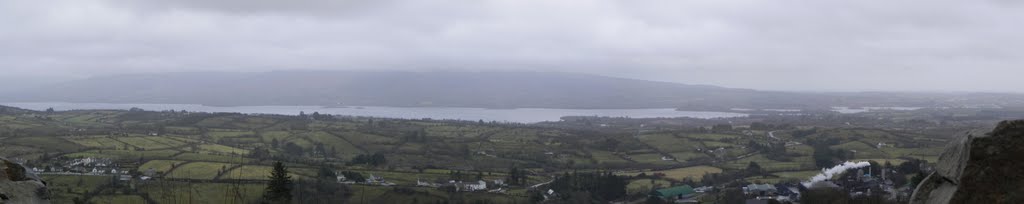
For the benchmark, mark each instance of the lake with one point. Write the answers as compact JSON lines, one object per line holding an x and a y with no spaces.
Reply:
{"x":848,"y":110}
{"x":522,"y":115}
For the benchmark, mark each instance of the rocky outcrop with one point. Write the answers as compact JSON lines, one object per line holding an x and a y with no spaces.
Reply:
{"x":978,"y":168}
{"x":19,"y":185}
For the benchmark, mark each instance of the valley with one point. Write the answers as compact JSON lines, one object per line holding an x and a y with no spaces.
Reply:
{"x":165,"y":156}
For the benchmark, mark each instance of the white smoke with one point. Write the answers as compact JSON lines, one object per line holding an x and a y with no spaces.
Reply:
{"x":838,"y":169}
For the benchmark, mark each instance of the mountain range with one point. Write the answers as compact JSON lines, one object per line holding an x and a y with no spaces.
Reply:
{"x":438,"y":89}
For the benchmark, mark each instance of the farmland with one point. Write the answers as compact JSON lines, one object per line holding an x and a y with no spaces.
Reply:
{"x":694,"y":173}
{"x":207,"y":153}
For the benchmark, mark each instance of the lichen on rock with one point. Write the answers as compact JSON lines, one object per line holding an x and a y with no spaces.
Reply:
{"x":19,"y":185}
{"x":978,"y":168}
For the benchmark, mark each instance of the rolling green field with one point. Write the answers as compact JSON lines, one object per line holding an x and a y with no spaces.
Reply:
{"x":249,"y":172}
{"x":161,"y":166}
{"x":202,"y":153}
{"x":199,"y":170}
{"x":695,"y":173}
{"x":645,"y":185}
{"x":118,"y":199}
{"x":206,"y":193}
{"x":67,"y":187}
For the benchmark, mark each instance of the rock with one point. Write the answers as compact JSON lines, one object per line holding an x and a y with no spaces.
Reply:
{"x":19,"y":185}
{"x":978,"y":168}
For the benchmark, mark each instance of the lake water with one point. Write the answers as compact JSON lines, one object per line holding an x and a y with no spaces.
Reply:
{"x":522,"y":115}
{"x":867,"y":109}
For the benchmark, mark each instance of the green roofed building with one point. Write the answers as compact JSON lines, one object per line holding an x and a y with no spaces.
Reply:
{"x":674,"y":193}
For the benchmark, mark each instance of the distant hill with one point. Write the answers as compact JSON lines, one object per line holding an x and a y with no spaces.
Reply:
{"x":438,"y":89}
{"x":363,"y":88}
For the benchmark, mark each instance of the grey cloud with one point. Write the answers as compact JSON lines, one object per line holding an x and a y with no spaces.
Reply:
{"x":780,"y":45}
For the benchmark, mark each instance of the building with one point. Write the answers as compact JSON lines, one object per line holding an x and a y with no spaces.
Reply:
{"x":479,"y":186}
{"x":760,"y":190}
{"x":675,"y":193}
{"x":427,"y":184}
{"x":150,"y":172}
{"x":704,"y":189}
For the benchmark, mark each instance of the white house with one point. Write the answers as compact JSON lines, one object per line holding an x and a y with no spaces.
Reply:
{"x":125,"y":178}
{"x":427,"y":184}
{"x":479,"y":186}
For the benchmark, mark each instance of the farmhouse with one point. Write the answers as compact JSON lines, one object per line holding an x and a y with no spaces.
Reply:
{"x":678,"y":193}
{"x":479,"y":186}
{"x":427,"y":184}
{"x":760,"y":190}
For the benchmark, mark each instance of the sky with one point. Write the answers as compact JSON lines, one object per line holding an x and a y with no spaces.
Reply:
{"x":795,"y":45}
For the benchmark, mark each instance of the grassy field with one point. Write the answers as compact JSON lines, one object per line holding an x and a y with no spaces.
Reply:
{"x":684,"y":156}
{"x":212,"y":158}
{"x":797,"y":163}
{"x":863,"y":151}
{"x":343,"y":148}
{"x":606,"y":157}
{"x":221,"y":149}
{"x":225,"y":134}
{"x":118,"y":199}
{"x":161,"y":166}
{"x":650,"y":158}
{"x":250,"y":172}
{"x":199,"y":170}
{"x":695,"y":173}
{"x":202,"y":193}
{"x":101,"y":142}
{"x":711,"y":136}
{"x":51,"y":144}
{"x":203,"y":145}
{"x":800,"y":175}
{"x":149,"y":143}
{"x":67,"y":187}
{"x":125,"y":155}
{"x":646,"y":185}
{"x":669,"y":143}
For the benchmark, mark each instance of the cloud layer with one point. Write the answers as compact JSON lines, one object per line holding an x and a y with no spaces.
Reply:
{"x":933,"y":45}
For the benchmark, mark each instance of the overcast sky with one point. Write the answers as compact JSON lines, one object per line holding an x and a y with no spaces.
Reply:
{"x":806,"y":45}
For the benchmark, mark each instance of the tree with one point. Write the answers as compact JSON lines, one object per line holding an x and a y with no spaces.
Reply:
{"x":721,"y":128}
{"x":324,"y":189}
{"x":732,"y":196}
{"x":589,"y":187}
{"x":353,"y":176}
{"x":293,"y":149}
{"x":754,"y":169}
{"x":917,"y":179}
{"x":824,"y":195}
{"x":279,"y":190}
{"x":823,"y":156}
{"x":516,"y":176}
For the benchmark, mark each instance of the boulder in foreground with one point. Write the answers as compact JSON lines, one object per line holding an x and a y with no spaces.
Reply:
{"x":978,"y":168}
{"x":19,"y":185}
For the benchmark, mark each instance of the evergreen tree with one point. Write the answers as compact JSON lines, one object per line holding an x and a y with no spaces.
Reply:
{"x":754,"y":169}
{"x":279,"y":190}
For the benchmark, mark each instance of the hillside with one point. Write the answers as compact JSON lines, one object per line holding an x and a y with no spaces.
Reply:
{"x":447,"y":89}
